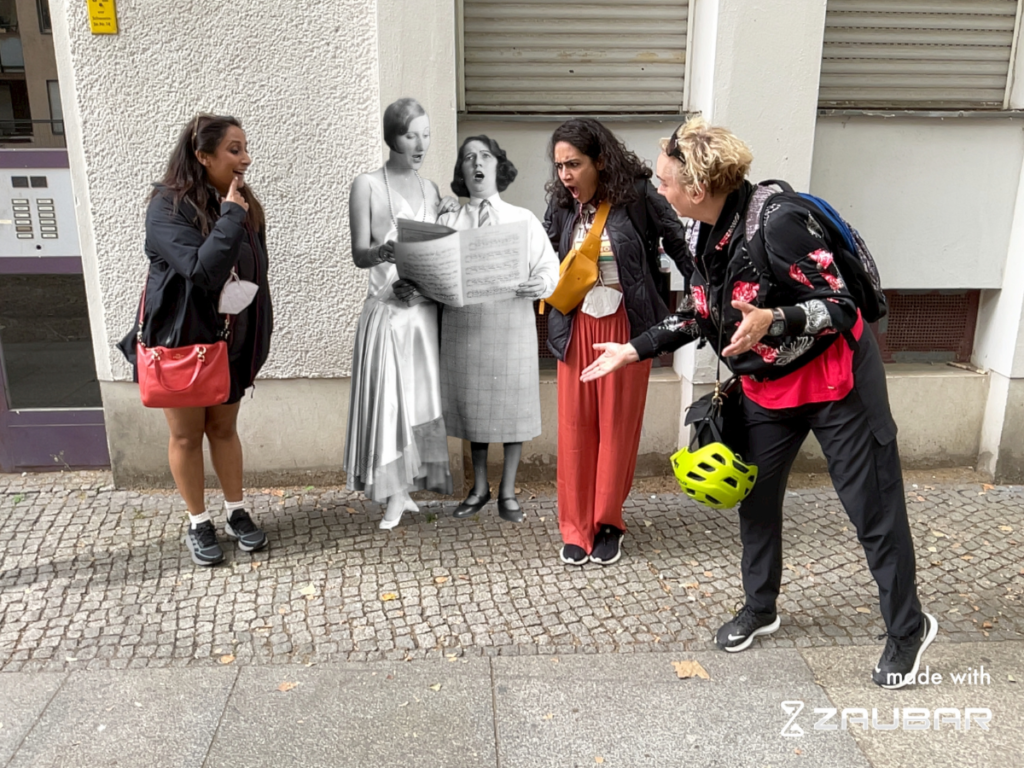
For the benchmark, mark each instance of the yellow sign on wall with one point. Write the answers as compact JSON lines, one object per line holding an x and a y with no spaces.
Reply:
{"x":102,"y":17}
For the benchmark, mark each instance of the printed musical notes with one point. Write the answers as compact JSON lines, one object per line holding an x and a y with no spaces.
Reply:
{"x":466,"y":267}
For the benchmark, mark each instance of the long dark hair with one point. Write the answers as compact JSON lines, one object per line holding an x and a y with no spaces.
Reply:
{"x":185,"y":176}
{"x":506,"y":170}
{"x":616,"y":182}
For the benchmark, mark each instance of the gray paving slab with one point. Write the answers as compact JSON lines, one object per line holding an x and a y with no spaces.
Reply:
{"x":376,"y":714}
{"x":23,"y":697}
{"x":844,"y":671}
{"x":152,"y":718}
{"x":618,"y":710}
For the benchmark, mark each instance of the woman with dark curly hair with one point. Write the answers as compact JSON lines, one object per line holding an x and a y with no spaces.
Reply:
{"x":490,"y":387}
{"x":599,"y":422}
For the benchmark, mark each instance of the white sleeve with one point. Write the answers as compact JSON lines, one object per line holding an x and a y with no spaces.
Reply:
{"x":543,"y":261}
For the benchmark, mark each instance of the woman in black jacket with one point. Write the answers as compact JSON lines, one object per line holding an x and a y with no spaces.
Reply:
{"x":203,"y":227}
{"x":767,"y":293}
{"x":599,"y":422}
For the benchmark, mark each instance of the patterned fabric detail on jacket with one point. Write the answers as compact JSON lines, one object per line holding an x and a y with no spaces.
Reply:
{"x":801,"y":278}
{"x":818,"y":318}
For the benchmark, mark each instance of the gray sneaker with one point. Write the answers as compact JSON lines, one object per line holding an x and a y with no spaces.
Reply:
{"x":241,"y":528}
{"x":201,"y":542}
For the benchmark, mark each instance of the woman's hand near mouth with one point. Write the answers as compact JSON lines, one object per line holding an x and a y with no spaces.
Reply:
{"x":234,"y":196}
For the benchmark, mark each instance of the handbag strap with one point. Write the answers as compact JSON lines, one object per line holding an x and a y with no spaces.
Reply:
{"x":591,"y":245}
{"x":142,"y":311}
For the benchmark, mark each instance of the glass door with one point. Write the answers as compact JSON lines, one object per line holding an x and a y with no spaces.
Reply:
{"x":51,"y":414}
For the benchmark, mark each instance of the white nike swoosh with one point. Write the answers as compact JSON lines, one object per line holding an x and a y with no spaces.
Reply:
{"x":736,"y":637}
{"x":878,"y":670}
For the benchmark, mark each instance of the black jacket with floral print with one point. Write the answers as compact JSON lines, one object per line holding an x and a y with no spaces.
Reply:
{"x":803,"y":281}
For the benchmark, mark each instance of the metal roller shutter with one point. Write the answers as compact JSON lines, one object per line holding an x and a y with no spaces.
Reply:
{"x":918,"y":54}
{"x":583,"y":56}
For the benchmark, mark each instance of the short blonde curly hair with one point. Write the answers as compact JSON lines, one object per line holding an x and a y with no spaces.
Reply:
{"x":712,"y":157}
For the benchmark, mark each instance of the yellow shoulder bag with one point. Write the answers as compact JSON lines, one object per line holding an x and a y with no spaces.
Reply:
{"x":578,"y":271}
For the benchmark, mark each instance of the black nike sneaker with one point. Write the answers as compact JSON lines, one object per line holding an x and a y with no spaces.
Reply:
{"x":738,"y":634}
{"x":902,"y":656}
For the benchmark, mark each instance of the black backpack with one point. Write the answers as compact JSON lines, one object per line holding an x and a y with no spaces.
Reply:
{"x":852,"y":257}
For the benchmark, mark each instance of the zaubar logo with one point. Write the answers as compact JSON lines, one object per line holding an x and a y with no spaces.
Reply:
{"x":907,"y":719}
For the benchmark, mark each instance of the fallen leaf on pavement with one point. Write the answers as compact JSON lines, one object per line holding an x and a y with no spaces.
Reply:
{"x":599,"y":759}
{"x":691,"y":585}
{"x":862,"y":609}
{"x":227,"y":658}
{"x":986,"y":625}
{"x":938,"y":534}
{"x":440,"y":579}
{"x":309,"y":590}
{"x":986,"y":487}
{"x":708,"y":574}
{"x":548,"y":716}
{"x":351,"y":510}
{"x":388,"y":596}
{"x":1011,"y":678}
{"x":1006,"y":528}
{"x":285,"y":687}
{"x":685,"y":669}
{"x":435,"y":687}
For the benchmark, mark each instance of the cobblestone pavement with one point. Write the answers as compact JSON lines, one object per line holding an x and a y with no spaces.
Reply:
{"x":96,"y":578}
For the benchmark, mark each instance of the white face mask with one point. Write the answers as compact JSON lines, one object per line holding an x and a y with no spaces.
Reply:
{"x":236,"y":295}
{"x":601,"y":301}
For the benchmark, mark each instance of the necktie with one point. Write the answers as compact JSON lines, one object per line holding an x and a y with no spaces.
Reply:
{"x":486,"y":216}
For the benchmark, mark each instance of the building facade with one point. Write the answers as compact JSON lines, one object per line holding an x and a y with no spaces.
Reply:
{"x":906,"y":115}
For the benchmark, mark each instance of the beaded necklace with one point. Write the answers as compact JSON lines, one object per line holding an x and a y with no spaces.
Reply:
{"x":391,"y":208}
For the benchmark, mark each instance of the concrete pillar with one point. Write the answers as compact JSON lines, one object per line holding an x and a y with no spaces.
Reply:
{"x":999,"y":348}
{"x":740,"y":76}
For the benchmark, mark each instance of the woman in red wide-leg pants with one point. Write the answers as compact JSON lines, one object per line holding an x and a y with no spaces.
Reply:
{"x":599,"y":426}
{"x":599,"y":188}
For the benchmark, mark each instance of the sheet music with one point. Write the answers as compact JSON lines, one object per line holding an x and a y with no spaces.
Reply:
{"x":471,"y":266}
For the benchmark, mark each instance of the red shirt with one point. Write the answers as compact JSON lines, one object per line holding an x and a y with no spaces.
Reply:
{"x":827,"y":378}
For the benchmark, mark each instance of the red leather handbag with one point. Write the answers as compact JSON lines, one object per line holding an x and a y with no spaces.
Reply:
{"x":194,"y":376}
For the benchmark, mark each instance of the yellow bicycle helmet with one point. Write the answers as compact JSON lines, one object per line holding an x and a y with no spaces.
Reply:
{"x":714,"y":475}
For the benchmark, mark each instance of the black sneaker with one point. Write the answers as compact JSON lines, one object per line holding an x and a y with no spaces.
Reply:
{"x":573,"y":555}
{"x":202,"y":544}
{"x":606,"y":546}
{"x":738,"y":634}
{"x":902,"y":656}
{"x":241,"y":527}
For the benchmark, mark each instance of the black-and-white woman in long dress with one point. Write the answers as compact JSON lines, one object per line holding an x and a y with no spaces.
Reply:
{"x":396,"y":438}
{"x":490,"y":387}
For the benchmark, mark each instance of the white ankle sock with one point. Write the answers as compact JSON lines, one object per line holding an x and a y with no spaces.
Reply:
{"x":231,"y":506}
{"x":202,"y":517}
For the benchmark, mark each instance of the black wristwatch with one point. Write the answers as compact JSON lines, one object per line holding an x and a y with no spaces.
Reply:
{"x":778,"y":326}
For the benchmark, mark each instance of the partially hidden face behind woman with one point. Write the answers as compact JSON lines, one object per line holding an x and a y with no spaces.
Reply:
{"x":577,"y":171}
{"x":412,"y":145}
{"x":229,"y":162}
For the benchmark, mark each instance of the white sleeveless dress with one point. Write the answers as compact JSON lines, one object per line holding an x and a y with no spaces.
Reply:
{"x":396,"y":435}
